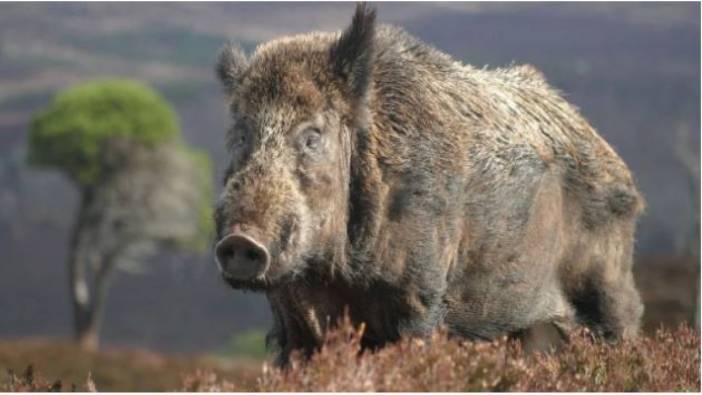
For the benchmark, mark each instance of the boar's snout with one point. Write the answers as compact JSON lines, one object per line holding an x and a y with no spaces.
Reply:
{"x":241,"y":257}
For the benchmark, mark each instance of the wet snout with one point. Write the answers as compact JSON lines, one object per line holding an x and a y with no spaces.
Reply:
{"x":242,"y":257}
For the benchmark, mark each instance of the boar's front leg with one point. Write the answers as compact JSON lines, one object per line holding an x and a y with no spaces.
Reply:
{"x":422,"y":308}
{"x":426,"y":313}
{"x":302,"y":313}
{"x":295,"y":324}
{"x":414,"y":251}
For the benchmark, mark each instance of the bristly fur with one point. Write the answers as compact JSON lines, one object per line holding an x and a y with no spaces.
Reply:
{"x":353,"y":54}
{"x":230,"y":65}
{"x":439,"y":194}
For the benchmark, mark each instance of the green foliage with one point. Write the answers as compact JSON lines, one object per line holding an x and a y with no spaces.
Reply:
{"x":248,"y":344}
{"x":201,"y":161}
{"x":71,"y":133}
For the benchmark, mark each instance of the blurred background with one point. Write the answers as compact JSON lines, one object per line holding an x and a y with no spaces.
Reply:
{"x":632,"y":68}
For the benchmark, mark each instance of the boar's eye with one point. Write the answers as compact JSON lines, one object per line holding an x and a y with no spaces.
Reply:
{"x":240,"y":141}
{"x":311,"y":139}
{"x":238,"y":136}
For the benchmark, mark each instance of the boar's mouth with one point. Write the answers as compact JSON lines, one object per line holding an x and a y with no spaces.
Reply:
{"x":257,"y":284}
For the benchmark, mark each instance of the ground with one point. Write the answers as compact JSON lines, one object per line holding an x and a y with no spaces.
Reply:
{"x":668,"y":360}
{"x":114,"y":369}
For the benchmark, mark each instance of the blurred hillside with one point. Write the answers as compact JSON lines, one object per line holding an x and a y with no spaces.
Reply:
{"x":632,"y":68}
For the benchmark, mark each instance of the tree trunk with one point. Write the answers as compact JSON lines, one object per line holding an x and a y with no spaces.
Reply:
{"x":88,"y":325}
{"x":100,"y":294}
{"x":87,"y":336}
{"x":691,"y":164}
{"x":87,"y":301}
{"x":79,"y":282}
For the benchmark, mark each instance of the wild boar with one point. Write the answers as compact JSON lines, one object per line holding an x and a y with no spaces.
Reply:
{"x":373,"y":174}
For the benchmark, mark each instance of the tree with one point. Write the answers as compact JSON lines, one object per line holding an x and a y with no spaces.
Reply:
{"x":140,"y":186}
{"x":688,"y":157}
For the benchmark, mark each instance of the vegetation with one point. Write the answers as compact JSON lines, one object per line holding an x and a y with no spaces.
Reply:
{"x":140,"y":185}
{"x":247,"y":344}
{"x":667,"y":361}
{"x":72,"y":132}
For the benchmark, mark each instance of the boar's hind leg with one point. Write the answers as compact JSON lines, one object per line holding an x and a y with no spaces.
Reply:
{"x":542,"y":337}
{"x":612,"y":309}
{"x":606,"y":299}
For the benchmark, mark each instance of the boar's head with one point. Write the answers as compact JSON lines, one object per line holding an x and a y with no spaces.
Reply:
{"x":297,"y":104}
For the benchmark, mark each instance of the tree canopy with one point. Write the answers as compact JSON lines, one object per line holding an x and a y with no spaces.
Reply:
{"x":120,"y":141}
{"x":73,"y":131}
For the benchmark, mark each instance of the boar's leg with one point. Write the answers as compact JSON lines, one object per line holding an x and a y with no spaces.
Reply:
{"x":427,"y":313}
{"x":542,"y":337}
{"x":607,"y":300}
{"x":622,"y":309}
{"x":611,"y":309}
{"x":296,"y":322}
{"x":420,"y":301}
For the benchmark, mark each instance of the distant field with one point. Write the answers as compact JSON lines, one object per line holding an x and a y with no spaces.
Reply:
{"x":113,"y":369}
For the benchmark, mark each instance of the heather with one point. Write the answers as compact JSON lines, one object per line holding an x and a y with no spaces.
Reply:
{"x":669,"y":360}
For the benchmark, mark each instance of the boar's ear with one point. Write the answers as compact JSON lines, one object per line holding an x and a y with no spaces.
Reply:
{"x":353,"y":54}
{"x":231,"y":64}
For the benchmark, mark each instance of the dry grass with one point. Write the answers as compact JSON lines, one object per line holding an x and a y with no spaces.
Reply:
{"x":667,"y":361}
{"x":28,"y":382}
